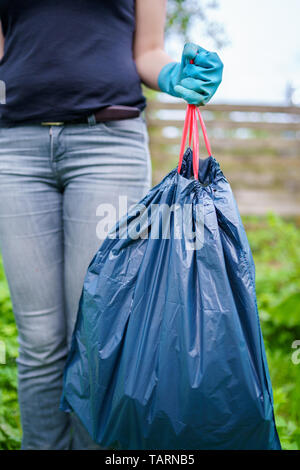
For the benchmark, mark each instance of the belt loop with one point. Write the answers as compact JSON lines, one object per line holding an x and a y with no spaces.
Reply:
{"x":91,"y":120}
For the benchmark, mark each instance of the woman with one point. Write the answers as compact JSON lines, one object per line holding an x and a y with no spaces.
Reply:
{"x":73,"y":139}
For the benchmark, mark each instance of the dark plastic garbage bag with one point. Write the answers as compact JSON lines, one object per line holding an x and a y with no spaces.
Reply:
{"x":167,"y":352}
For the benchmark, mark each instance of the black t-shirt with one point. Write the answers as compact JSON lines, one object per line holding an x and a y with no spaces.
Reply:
{"x":65,"y":58}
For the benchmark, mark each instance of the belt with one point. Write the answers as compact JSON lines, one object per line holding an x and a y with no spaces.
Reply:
{"x":110,"y":113}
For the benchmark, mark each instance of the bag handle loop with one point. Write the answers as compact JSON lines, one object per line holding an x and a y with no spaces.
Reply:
{"x":191,"y":126}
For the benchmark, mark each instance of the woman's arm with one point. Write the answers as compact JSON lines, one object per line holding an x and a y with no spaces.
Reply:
{"x":149,"y":54}
{"x":1,"y":42}
{"x":198,"y":75}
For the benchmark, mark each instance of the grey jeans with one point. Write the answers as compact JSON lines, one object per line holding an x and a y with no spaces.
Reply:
{"x":55,"y":185}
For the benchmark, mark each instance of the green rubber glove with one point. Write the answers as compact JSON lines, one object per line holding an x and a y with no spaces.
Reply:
{"x":196,"y":83}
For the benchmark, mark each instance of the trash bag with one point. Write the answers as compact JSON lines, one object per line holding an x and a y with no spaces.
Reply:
{"x":167,"y":351}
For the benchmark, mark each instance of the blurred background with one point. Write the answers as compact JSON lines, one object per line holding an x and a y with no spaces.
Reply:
{"x":254,"y":119}
{"x":253,"y":123}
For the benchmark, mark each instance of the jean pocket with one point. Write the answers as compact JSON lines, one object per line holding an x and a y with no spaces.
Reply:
{"x":133,"y":128}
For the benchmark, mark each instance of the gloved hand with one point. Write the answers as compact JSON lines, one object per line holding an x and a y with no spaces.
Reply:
{"x":196,"y":83}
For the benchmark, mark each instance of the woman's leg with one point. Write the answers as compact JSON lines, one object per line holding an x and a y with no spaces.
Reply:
{"x":31,"y":242}
{"x":104,"y":165}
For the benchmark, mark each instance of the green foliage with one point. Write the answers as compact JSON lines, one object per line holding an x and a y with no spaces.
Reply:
{"x":10,"y":429}
{"x":182,"y":15}
{"x":276,"y":249}
{"x":286,"y":390}
{"x":275,"y":245}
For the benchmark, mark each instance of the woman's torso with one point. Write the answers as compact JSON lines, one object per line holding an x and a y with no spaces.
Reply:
{"x":65,"y":58}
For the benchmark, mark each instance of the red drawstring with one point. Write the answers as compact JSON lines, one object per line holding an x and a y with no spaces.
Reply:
{"x":187,"y":123}
{"x":195,"y":144}
{"x":191,"y":126}
{"x":191,"y":131}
